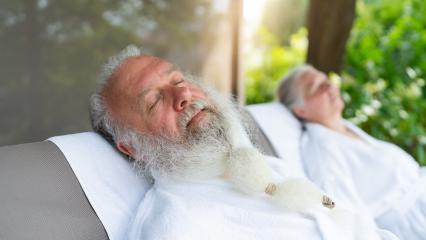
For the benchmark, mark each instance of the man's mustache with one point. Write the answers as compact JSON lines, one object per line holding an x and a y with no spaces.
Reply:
{"x":190,"y":111}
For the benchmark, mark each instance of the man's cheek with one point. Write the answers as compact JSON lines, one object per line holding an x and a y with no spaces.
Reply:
{"x":199,"y":94}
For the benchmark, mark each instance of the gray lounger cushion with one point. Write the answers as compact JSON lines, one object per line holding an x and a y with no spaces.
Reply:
{"x":258,"y":137}
{"x":40,"y":197}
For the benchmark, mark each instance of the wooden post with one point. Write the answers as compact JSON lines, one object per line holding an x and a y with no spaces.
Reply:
{"x":329,"y":24}
{"x":235,"y":10}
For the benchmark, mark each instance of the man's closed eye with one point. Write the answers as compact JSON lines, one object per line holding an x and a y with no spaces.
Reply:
{"x":154,"y":104}
{"x":180,"y":82}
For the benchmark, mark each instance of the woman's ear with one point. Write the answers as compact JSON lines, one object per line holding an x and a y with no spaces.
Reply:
{"x":299,"y":112}
{"x":126,"y":150}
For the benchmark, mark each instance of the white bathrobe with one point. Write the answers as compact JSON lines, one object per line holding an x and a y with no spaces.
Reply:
{"x":370,"y":173}
{"x":213,"y":209}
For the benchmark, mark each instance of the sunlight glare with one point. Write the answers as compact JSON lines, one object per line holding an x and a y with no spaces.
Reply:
{"x":252,"y":12}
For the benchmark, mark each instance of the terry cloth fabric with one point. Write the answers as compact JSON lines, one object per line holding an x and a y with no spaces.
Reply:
{"x":283,"y":131}
{"x":108,"y":180}
{"x":212,"y":209}
{"x":370,"y":173}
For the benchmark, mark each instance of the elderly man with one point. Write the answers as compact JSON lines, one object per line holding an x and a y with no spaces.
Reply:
{"x":351,"y":165}
{"x":208,"y":180}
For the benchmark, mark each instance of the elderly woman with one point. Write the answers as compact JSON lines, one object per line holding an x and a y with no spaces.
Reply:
{"x":351,"y":165}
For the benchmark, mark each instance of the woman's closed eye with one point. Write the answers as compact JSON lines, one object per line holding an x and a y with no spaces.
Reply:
{"x":323,"y":87}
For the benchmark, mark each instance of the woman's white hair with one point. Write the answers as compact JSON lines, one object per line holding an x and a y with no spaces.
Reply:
{"x":101,"y":120}
{"x":288,"y":92}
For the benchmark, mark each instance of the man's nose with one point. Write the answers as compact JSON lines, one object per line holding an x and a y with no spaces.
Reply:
{"x":182,"y":97}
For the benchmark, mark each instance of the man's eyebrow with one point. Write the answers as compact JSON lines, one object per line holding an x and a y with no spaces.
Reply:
{"x":171,"y":69}
{"x":168,"y":71}
{"x":143,"y":93}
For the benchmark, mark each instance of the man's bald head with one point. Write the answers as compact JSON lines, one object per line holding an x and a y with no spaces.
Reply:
{"x":101,"y":119}
{"x":121,"y":89}
{"x":141,"y":94}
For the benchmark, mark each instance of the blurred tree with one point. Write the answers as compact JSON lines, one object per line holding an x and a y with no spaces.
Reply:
{"x":51,"y":52}
{"x":329,"y":23}
{"x":284,"y":17}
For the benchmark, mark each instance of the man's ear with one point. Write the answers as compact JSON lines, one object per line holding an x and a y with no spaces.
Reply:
{"x":126,"y":150}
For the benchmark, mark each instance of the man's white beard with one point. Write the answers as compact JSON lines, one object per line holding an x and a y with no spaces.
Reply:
{"x":202,"y":150}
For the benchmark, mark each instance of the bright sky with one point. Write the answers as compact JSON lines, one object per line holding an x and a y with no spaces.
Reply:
{"x":252,"y":13}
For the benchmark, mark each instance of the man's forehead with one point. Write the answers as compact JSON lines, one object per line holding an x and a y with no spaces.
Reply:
{"x":138,"y":71}
{"x":148,"y":65}
{"x":133,"y":75}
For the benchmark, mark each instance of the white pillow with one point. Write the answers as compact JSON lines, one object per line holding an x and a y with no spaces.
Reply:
{"x":282,"y":129}
{"x":108,"y":180}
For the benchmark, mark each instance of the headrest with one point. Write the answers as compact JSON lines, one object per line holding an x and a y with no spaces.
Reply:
{"x":110,"y":183}
{"x":282,"y":129}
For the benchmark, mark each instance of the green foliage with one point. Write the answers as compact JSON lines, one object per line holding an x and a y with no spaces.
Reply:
{"x":386,"y":58}
{"x":262,"y":78}
{"x":284,"y":17}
